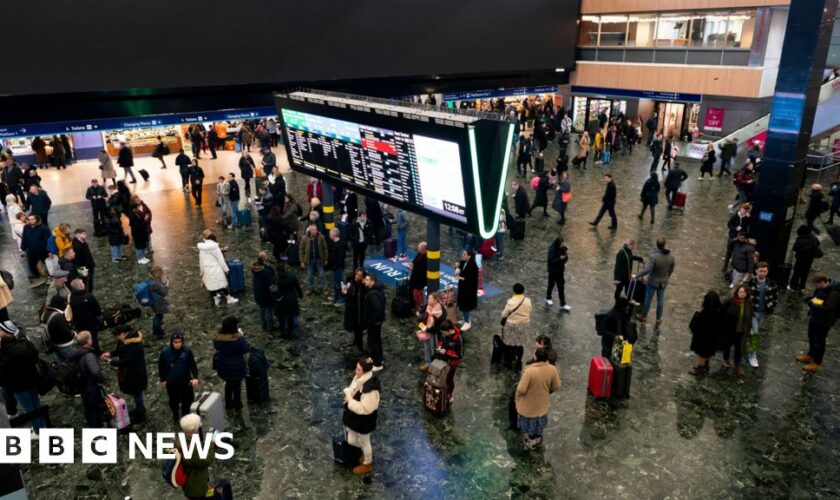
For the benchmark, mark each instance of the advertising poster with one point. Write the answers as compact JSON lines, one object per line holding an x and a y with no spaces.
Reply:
{"x":714,"y":120}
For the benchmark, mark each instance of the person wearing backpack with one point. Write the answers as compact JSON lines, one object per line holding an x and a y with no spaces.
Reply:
{"x":60,"y":334}
{"x":19,"y":373}
{"x":178,"y":374}
{"x":131,"y":368}
{"x":84,"y":375}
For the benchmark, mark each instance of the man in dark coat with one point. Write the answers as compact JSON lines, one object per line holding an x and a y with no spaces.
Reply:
{"x":183,"y":163}
{"x":816,"y":206}
{"x":374,"y":315}
{"x":98,"y":204}
{"x":608,"y":203}
{"x":377,"y":220}
{"x":822,"y":315}
{"x":125,"y":159}
{"x":38,"y":202}
{"x":541,"y":195}
{"x":558,"y":255}
{"x":806,"y":248}
{"x":655,"y":150}
{"x":130,"y":359}
{"x":196,"y":181}
{"x":92,"y":377}
{"x":354,"y":295}
{"x":520,"y":200}
{"x":264,"y":277}
{"x":178,"y":374}
{"x":18,"y":373}
{"x":336,"y":262}
{"x":738,"y":223}
{"x":361,"y":235}
{"x":417,"y":279}
{"x":650,"y":195}
{"x":623,"y":269}
{"x":87,"y":313}
{"x":673,"y":181}
{"x":229,"y":360}
{"x":84,"y":257}
{"x":34,"y":243}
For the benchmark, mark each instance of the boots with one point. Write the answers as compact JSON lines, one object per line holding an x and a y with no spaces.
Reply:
{"x":363,"y":469}
{"x":811,"y":367}
{"x":804,"y":358}
{"x":699,"y":370}
{"x":230,"y":299}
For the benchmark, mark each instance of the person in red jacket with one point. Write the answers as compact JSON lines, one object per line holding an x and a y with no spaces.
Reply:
{"x":450,"y":349}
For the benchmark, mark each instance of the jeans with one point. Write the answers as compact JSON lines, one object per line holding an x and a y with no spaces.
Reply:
{"x":157,"y":325}
{"x":401,"y":247}
{"x":234,"y":212}
{"x":752,"y":341}
{"x":62,"y":353}
{"x":604,"y":209}
{"x":223,"y":208}
{"x":500,"y":245}
{"x":361,"y":441}
{"x":116,"y":252}
{"x":560,"y":281}
{"x":30,"y":401}
{"x":337,"y":276}
{"x":139,"y":406}
{"x":129,"y":172}
{"x":467,"y":315}
{"x":315,"y":264}
{"x":660,"y":301}
{"x":374,"y":340}
{"x":738,"y":277}
{"x":233,"y":394}
{"x":140,"y":253}
{"x":267,"y":317}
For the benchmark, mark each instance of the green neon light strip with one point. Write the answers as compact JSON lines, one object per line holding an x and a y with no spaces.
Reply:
{"x":484,"y":232}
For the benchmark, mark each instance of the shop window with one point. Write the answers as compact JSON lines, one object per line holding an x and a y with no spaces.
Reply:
{"x":640,"y":30}
{"x":740,"y":29}
{"x":613,"y":30}
{"x":588,"y":30}
{"x":672,"y":30}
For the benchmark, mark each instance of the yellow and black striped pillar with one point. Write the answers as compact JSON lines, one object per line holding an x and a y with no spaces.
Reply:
{"x":432,"y":255}
{"x":328,"y":206}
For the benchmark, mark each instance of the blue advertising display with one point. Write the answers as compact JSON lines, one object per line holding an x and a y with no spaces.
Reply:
{"x":786,"y":113}
{"x":637,"y":94}
{"x":29,"y":130}
{"x":499,"y":92}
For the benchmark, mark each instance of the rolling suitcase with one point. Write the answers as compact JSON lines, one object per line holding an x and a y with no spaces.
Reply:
{"x":236,"y":276}
{"x":679,"y":200}
{"x":256,"y":383}
{"x":390,"y":248}
{"x":517,"y":230}
{"x":435,"y":397}
{"x":210,"y":407}
{"x":345,"y":453}
{"x":116,"y":411}
{"x":498,"y":349}
{"x":621,"y":379}
{"x":144,"y":174}
{"x":244,"y":217}
{"x":600,"y":377}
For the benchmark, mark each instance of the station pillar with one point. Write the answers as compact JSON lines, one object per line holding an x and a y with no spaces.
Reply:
{"x":328,"y":206}
{"x":432,"y":255}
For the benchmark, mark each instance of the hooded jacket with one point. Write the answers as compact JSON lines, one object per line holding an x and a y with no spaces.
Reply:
{"x":806,"y":245}
{"x":557,"y":257}
{"x":229,"y":359}
{"x":360,"y":414}
{"x":130,"y":359}
{"x":213,"y":266}
{"x":742,"y":257}
{"x":59,"y":242}
{"x":177,"y":368}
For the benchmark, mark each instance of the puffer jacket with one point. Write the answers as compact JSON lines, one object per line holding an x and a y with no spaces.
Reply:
{"x":229,"y":359}
{"x":742,"y":257}
{"x":213,"y":266}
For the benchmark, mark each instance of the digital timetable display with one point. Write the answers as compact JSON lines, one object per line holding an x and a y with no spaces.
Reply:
{"x":405,"y":167}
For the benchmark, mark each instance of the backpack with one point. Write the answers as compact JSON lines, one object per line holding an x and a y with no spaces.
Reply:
{"x":173,"y":471}
{"x":143,"y":293}
{"x":8,"y":279}
{"x":257,"y":363}
{"x":601,"y":320}
{"x":68,"y":376}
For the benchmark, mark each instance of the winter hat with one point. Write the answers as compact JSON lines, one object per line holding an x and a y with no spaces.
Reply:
{"x":190,"y":423}
{"x":230,"y":325}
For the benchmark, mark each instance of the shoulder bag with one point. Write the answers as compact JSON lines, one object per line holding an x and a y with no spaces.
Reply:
{"x":506,"y":316}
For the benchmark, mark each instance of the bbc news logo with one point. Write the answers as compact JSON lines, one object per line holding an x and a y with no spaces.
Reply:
{"x":101,"y":446}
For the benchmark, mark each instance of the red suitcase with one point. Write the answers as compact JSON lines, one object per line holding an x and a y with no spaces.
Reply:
{"x":435,"y":399}
{"x":679,"y":200}
{"x":600,"y":377}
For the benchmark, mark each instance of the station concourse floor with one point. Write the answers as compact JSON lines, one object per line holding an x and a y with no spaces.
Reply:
{"x":773,"y":435}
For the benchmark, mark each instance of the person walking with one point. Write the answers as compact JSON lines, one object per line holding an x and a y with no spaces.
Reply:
{"x":467,"y":276}
{"x":623,"y":269}
{"x":673,"y":182}
{"x":182,"y":161}
{"x":562,"y":196}
{"x":264,"y":277}
{"x":539,"y":380}
{"x":737,"y":317}
{"x":650,"y":195}
{"x":651,"y":125}
{"x":125,"y":159}
{"x":520,"y":200}
{"x":178,"y":375}
{"x":660,"y":266}
{"x":822,"y":314}
{"x":541,"y":195}
{"x":669,"y":151}
{"x":231,"y":346}
{"x":705,"y":327}
{"x":816,"y":206}
{"x":354,"y":298}
{"x":707,"y":163}
{"x":728,"y":151}
{"x":525,"y":152}
{"x":764,"y":293}
{"x":608,"y":203}
{"x":196,"y":181}
{"x":361,"y":405}
{"x":214,"y":269}
{"x":130,"y":360}
{"x":806,"y":248}
{"x":161,"y":150}
{"x":558,"y":255}
{"x":373,"y":314}
{"x":287,"y":306}
{"x":655,"y":148}
{"x":223,"y":201}
{"x":738,"y":223}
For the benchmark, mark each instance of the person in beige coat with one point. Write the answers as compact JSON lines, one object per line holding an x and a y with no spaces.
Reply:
{"x":539,"y":380}
{"x":107,"y":167}
{"x":5,"y":299}
{"x":517,"y":318}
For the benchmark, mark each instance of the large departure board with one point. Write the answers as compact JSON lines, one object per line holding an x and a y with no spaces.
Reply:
{"x":404,"y":167}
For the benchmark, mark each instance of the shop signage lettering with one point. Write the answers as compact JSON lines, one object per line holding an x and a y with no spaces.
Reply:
{"x":637,"y":94}
{"x":499,"y":92}
{"x":714,"y":119}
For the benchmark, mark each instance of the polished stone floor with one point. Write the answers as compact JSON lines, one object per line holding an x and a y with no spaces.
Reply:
{"x":774,"y":435}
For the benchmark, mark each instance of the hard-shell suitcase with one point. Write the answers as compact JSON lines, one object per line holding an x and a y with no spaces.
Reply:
{"x":679,"y":199}
{"x":390,"y":248}
{"x":236,"y":276}
{"x":117,"y":411}
{"x":438,"y":371}
{"x":621,"y":379}
{"x":115,"y":316}
{"x":210,"y":407}
{"x":144,"y":174}
{"x":435,"y":399}
{"x":600,"y":377}
{"x":244,"y":217}
{"x":345,"y":453}
{"x":517,"y":230}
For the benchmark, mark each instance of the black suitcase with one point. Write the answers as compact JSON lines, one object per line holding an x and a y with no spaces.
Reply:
{"x":512,"y":357}
{"x":834,"y":233}
{"x":121,"y":315}
{"x":346,"y":454}
{"x":498,"y":349}
{"x":401,"y":307}
{"x":622,"y":374}
{"x":144,"y":174}
{"x":517,"y":230}
{"x":513,"y":416}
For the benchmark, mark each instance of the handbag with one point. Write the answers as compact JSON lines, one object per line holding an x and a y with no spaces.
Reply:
{"x":505,"y":317}
{"x":566,"y":196}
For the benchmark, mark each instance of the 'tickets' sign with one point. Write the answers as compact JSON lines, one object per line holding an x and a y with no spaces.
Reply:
{"x":714,"y":119}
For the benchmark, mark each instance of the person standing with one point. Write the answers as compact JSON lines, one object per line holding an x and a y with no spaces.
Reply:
{"x":336,"y":262}
{"x":743,"y":260}
{"x":738,"y":223}
{"x":583,"y":150}
{"x":160,"y":151}
{"x":139,"y":233}
{"x":212,"y":141}
{"x":214,"y":269}
{"x":558,"y":255}
{"x":655,"y":147}
{"x":182,"y":161}
{"x":669,"y":151}
{"x":541,"y":195}
{"x":116,"y":236}
{"x":373,"y":316}
{"x":39,"y":146}
{"x":816,"y":206}
{"x":737,"y":317}
{"x":765,"y":295}
{"x":196,"y":140}
{"x":822,"y":314}
{"x":728,"y":150}
{"x":354,"y":298}
{"x":516,"y":319}
{"x":197,"y":469}
{"x":107,"y":168}
{"x":467,"y":276}
{"x":287,"y":308}
{"x":178,"y":375}
{"x":159,"y":288}
{"x":450,"y":349}
{"x":539,"y":380}
{"x":19,"y":373}
{"x":707,"y":163}
{"x":84,"y":257}
{"x":229,"y":360}
{"x":650,"y":195}
{"x":660,"y":266}
{"x":361,"y":405}
{"x":520,"y":200}
{"x":34,"y":244}
{"x":418,"y":279}
{"x":223,"y":200}
{"x":608,"y":203}
{"x":92,"y":377}
{"x":673,"y":181}
{"x":562,"y":196}
{"x":38,"y":203}
{"x":623,"y":269}
{"x":233,"y":201}
{"x":402,"y":234}
{"x":264,"y":277}
{"x":58,"y":153}
{"x":87,"y":313}
{"x":247,"y":168}
{"x":612,"y":325}
{"x":97,"y":196}
{"x":523,"y":161}
{"x":313,"y":254}
{"x":704,"y":326}
{"x":361,"y":234}
{"x":131,"y":368}
{"x":196,"y":181}
{"x":125,"y":159}
{"x":651,"y":125}
{"x":806,"y":248}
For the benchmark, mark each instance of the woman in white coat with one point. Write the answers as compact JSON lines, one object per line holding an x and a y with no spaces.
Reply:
{"x":107,"y":167}
{"x":214,"y":269}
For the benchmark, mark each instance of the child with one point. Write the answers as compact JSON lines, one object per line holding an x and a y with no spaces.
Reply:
{"x":450,"y":349}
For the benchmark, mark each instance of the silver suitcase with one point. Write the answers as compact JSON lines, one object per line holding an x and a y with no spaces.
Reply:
{"x":210,"y":407}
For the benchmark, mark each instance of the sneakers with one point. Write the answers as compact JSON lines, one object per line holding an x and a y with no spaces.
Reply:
{"x":465,"y":327}
{"x":378,"y":368}
{"x":699,"y":178}
{"x":811,"y":368}
{"x":143,"y":261}
{"x":753,"y":359}
{"x":549,"y":302}
{"x":364,"y":468}
{"x":230,"y":299}
{"x":804,"y":358}
{"x":566,"y":307}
